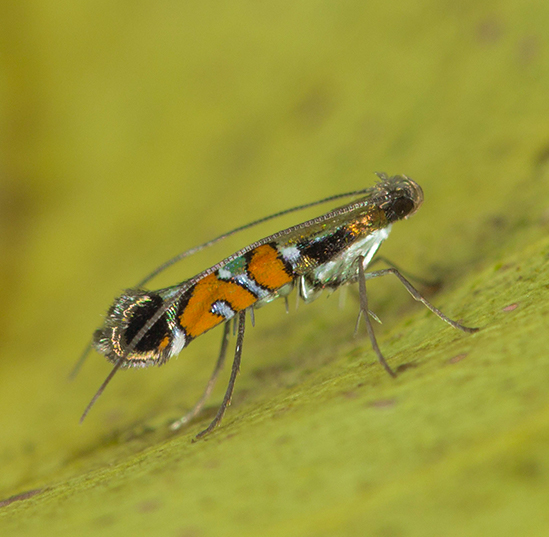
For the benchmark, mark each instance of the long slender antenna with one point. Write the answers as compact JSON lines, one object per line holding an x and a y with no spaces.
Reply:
{"x":101,"y":388}
{"x":209,"y":243}
{"x":80,"y":361}
{"x":187,"y":284}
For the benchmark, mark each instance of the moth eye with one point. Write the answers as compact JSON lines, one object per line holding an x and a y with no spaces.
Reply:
{"x":398,"y":208}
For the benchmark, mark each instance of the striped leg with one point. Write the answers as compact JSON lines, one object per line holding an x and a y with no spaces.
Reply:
{"x":211,"y":383}
{"x":234,"y":372}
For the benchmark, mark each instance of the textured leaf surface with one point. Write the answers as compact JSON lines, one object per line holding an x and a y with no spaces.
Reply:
{"x":130,"y":133}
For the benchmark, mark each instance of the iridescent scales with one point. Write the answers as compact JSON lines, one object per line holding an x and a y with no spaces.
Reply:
{"x":145,"y":328}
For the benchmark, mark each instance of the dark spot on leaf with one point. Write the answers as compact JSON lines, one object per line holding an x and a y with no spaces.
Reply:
{"x":148,"y":506}
{"x":457,"y":358}
{"x":383,"y":403}
{"x":404,"y":367}
{"x":511,"y":307}
{"x":20,"y":497}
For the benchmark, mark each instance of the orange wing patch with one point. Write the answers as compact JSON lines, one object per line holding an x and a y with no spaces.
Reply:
{"x":197,"y":317}
{"x":267,"y":269}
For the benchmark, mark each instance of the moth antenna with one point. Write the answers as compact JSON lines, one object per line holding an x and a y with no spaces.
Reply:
{"x":101,"y":388}
{"x":275,"y":236}
{"x":80,"y":361}
{"x":209,"y":243}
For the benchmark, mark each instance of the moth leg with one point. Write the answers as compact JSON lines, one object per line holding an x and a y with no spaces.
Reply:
{"x":416,"y":295}
{"x":359,"y":316}
{"x":234,"y":372}
{"x":211,"y":383}
{"x":427,"y":283}
{"x":364,"y":313}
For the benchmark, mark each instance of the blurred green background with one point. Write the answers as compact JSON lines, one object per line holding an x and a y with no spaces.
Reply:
{"x":132,"y":131}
